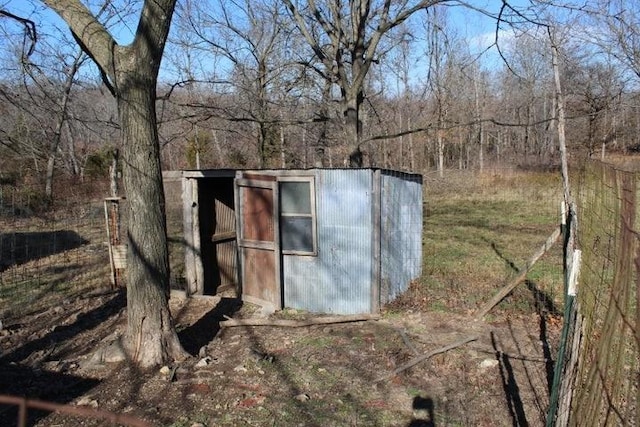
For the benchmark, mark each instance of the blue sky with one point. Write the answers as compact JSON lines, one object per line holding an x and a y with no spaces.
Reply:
{"x":468,"y":22}
{"x":479,"y":30}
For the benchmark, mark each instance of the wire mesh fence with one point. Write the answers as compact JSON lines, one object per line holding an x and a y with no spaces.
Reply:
{"x":48,"y":254}
{"x":602,"y":335}
{"x":175,"y":231}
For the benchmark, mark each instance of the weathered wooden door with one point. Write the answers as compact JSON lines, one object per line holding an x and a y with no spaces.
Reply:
{"x":259,"y":241}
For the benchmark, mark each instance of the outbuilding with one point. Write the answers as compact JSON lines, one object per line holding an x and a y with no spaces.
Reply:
{"x":341,"y":241}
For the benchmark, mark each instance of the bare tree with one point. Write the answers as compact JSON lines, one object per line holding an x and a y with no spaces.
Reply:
{"x":131,"y":73}
{"x":251,"y":41}
{"x":452,"y":92}
{"x":61,"y":120}
{"x":47,"y":92}
{"x":345,"y":35}
{"x":480,"y":89}
{"x":617,"y":30}
{"x":399,"y":100}
{"x":439,"y":71}
{"x":594,"y":89}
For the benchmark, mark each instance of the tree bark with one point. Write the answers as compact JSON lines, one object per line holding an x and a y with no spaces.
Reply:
{"x":353,"y":130}
{"x":131,"y":74}
{"x":151,"y":338}
{"x":440,"y":146}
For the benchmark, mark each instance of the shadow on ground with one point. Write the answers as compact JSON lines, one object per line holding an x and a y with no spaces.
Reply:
{"x":38,"y":384}
{"x":19,"y":248}
{"x":60,"y":334}
{"x":206,"y":328}
{"x":424,"y":413}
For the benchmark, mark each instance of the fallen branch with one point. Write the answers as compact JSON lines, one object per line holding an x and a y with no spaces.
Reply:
{"x":407,"y":342}
{"x":297,"y":323}
{"x":424,"y":357}
{"x":522,"y":274}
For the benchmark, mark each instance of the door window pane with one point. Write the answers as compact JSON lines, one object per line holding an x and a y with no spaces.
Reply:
{"x":297,"y":234}
{"x":295,"y":197}
{"x":297,"y":216}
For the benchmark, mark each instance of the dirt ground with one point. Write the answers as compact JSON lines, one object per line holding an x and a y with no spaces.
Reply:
{"x":324,"y":375}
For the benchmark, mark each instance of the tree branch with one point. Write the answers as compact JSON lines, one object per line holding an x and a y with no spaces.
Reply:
{"x":426,"y":356}
{"x":29,"y":29}
{"x":90,"y":34}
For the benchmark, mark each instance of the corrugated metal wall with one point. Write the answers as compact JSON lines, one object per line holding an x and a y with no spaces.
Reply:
{"x":401,"y":232}
{"x":338,"y":279}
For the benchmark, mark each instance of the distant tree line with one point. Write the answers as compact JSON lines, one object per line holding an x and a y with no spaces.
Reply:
{"x":302,"y":84}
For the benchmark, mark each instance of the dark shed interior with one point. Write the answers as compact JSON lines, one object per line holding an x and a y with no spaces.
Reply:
{"x":217,"y":233}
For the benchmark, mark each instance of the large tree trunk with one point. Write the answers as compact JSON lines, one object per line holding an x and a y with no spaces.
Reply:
{"x":131,"y":73}
{"x":151,"y":338}
{"x":353,"y":129}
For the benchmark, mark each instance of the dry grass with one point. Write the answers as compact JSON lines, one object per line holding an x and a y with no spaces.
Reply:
{"x":47,"y":259}
{"x":478,"y":230}
{"x":477,"y":227}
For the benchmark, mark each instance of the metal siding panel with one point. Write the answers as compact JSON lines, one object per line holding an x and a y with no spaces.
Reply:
{"x":338,"y":279}
{"x":401,"y":233}
{"x":376,"y":241}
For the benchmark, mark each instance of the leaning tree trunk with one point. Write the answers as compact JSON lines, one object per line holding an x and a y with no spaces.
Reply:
{"x":151,"y":338}
{"x":57,"y":135}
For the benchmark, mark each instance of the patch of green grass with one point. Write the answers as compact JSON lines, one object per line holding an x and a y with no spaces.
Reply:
{"x":478,"y":230}
{"x":414,"y":392}
{"x":292,"y":314}
{"x":438,"y":306}
{"x":316,"y":341}
{"x":186,"y":421}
